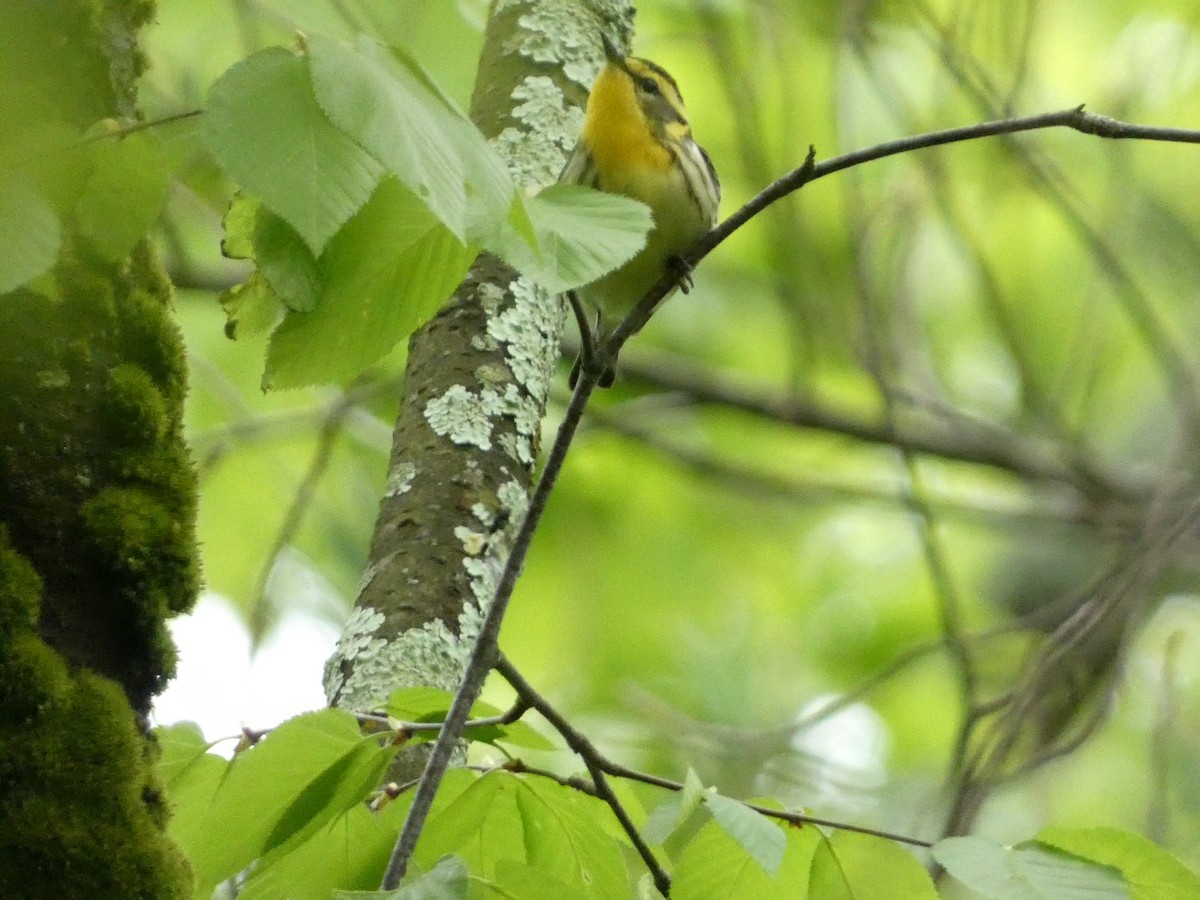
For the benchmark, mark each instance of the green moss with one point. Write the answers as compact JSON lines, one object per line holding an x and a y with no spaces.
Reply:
{"x":151,"y":339}
{"x":133,"y":407}
{"x":20,"y":591}
{"x":74,"y":816}
{"x":128,"y":529}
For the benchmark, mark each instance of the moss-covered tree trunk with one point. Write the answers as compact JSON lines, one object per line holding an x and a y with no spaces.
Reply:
{"x":97,"y":501}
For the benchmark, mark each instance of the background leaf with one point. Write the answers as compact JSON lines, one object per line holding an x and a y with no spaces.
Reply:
{"x":29,"y":233}
{"x":1025,"y":872}
{"x":123,"y":194}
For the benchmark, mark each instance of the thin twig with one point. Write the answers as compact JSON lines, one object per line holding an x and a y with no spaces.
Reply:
{"x":810,"y":170}
{"x":596,"y":761}
{"x":596,"y":764}
{"x":303,"y":497}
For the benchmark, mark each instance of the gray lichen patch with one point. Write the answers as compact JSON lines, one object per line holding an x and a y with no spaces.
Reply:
{"x":561,"y":33}
{"x":463,"y":416}
{"x":400,"y":479}
{"x":514,"y":500}
{"x":473,"y":542}
{"x":430,"y":655}
{"x":529,"y":329}
{"x":542,"y":108}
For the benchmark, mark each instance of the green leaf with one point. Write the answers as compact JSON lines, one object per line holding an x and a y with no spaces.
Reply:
{"x":676,"y":810}
{"x":420,"y":704}
{"x":349,"y":853}
{"x":480,"y":825}
{"x":123,"y":195}
{"x":448,"y":880}
{"x":381,"y":98}
{"x":1150,"y":871}
{"x":29,"y":233}
{"x":241,"y":216}
{"x":581,"y":235}
{"x":514,"y":879}
{"x":758,"y":835}
{"x":1025,"y":872}
{"x":563,"y":839}
{"x":519,"y":734}
{"x":286,"y":262}
{"x":343,"y":784}
{"x":225,"y":834}
{"x":180,"y":746}
{"x":265,"y":128}
{"x":385,"y":273}
{"x":713,"y":866}
{"x":251,"y":308}
{"x":426,"y":704}
{"x":863,"y":867}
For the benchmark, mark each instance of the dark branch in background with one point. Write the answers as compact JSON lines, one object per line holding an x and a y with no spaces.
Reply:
{"x":773,"y":485}
{"x":484,"y":654}
{"x":984,"y":444}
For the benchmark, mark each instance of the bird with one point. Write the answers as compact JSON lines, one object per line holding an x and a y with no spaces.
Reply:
{"x":636,"y":141}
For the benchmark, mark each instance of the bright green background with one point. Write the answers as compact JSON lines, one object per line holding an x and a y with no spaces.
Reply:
{"x":722,"y":570}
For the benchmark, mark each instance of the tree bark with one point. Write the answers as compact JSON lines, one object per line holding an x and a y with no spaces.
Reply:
{"x":476,"y":386}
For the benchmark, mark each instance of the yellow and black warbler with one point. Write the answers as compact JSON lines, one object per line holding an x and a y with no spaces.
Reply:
{"x":636,"y":141}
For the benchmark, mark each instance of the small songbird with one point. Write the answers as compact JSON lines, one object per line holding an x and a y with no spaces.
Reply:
{"x":636,"y":141}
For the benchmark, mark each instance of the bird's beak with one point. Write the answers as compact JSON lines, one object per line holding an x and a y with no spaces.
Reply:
{"x":611,"y":53}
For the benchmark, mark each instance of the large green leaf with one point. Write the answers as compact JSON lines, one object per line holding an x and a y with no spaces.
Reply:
{"x":1025,"y":872}
{"x":758,"y":835}
{"x":29,"y":233}
{"x":713,"y":866}
{"x":581,"y":235}
{"x":448,"y":880}
{"x":350,"y":852}
{"x":863,"y":867}
{"x":564,"y":840}
{"x":344,"y":783}
{"x":385,"y":273}
{"x":1150,"y":871}
{"x":382,"y":99}
{"x":226,"y":831}
{"x":480,"y":825}
{"x":267,"y":131}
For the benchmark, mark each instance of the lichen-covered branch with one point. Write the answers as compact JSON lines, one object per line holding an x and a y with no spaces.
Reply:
{"x":476,"y":385}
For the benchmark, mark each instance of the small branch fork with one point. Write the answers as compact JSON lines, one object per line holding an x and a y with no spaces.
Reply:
{"x":485,"y":654}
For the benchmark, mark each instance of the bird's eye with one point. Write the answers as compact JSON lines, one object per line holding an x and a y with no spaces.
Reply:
{"x":649,"y":85}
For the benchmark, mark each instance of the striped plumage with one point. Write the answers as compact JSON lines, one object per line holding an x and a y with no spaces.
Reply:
{"x":636,"y":141}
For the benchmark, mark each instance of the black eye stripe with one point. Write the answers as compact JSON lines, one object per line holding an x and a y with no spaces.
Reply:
{"x":649,"y":85}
